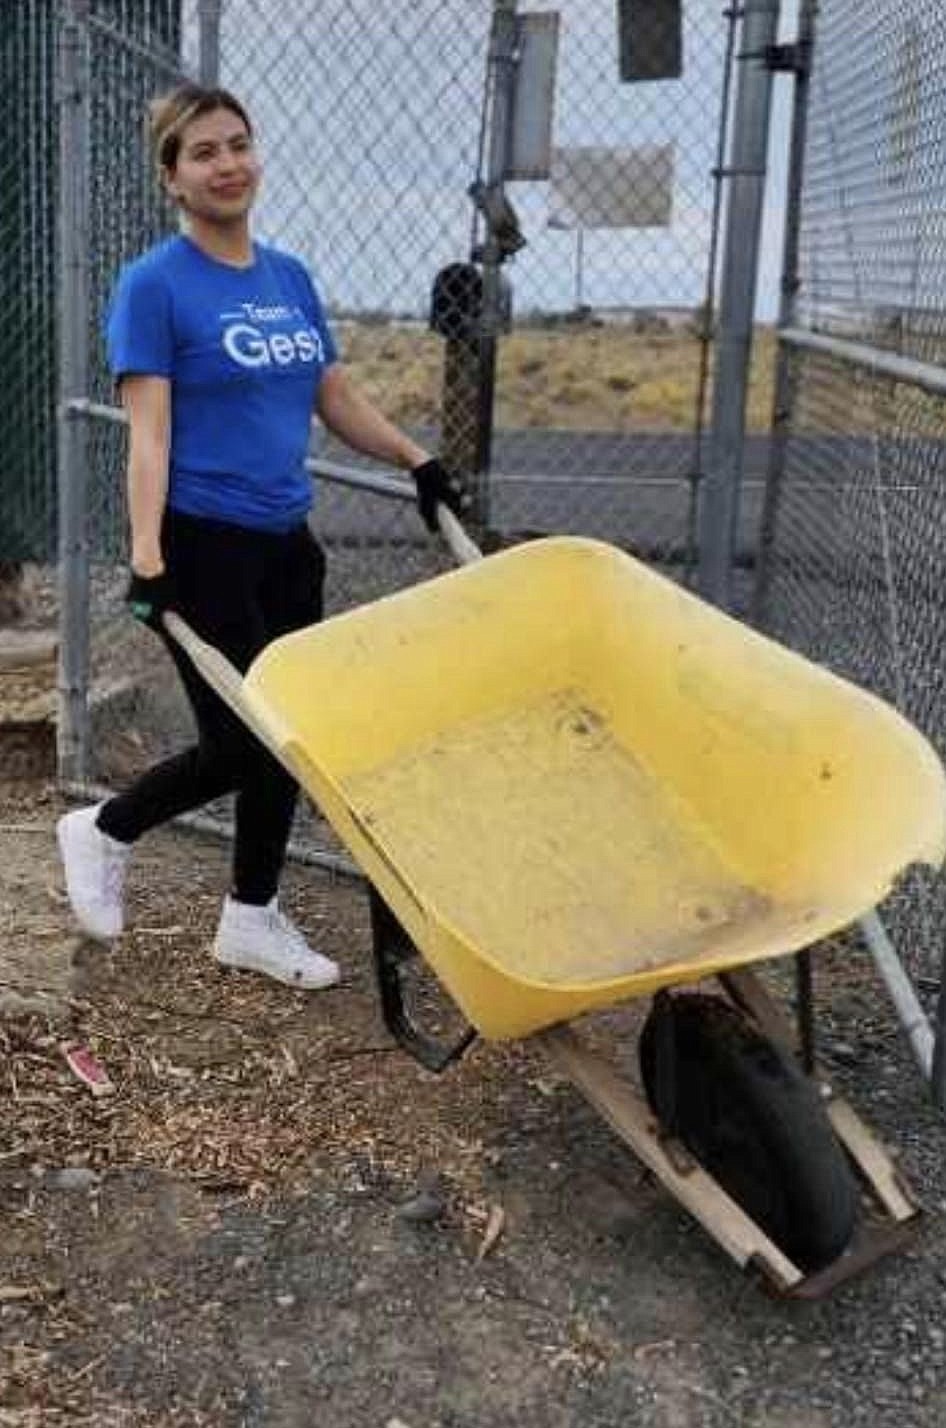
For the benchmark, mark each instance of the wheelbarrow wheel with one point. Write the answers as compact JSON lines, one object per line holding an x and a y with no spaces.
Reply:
{"x":749,"y":1115}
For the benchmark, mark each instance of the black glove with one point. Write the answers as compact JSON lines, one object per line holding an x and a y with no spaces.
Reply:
{"x":148,"y":596}
{"x":435,"y":486}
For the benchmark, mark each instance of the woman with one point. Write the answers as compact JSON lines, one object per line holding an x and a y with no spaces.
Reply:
{"x":222,"y":351}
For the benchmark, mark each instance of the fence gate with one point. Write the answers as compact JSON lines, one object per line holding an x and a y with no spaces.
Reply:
{"x":855,"y":528}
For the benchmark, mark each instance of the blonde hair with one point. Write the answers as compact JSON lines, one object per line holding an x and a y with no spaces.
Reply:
{"x":170,"y":114}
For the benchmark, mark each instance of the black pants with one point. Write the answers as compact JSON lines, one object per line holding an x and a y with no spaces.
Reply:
{"x":238,"y":589}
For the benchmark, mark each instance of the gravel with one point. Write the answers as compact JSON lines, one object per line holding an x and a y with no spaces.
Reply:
{"x":228,"y":1240}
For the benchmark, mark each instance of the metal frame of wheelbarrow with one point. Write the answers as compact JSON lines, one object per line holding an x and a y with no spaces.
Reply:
{"x":617,"y":1100}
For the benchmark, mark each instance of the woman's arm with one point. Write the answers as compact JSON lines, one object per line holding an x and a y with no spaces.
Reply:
{"x":349,"y":414}
{"x":147,"y":401}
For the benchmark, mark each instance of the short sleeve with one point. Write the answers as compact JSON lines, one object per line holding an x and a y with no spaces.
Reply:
{"x":139,"y":329}
{"x":321,"y":322}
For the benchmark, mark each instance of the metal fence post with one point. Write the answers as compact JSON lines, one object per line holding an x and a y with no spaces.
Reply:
{"x":208,"y":62}
{"x":502,"y":59}
{"x":720,"y":488}
{"x":73,"y":359}
{"x":938,"y":1069}
{"x":784,"y":398}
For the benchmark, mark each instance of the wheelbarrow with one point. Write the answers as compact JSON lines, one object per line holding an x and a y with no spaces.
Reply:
{"x":571,"y":783}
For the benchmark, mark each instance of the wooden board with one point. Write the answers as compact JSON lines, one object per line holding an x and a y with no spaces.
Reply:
{"x":872,"y":1159}
{"x":24,"y":649}
{"x":630,"y":1117}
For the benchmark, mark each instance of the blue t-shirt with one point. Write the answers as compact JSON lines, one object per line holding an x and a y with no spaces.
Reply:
{"x":244,"y":349}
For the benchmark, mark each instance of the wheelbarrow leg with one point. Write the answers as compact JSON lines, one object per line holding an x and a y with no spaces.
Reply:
{"x":630,"y":1117}
{"x":392,"y":948}
{"x":805,"y":995}
{"x":747,"y":991}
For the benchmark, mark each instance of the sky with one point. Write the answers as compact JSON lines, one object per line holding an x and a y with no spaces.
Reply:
{"x":369,"y":117}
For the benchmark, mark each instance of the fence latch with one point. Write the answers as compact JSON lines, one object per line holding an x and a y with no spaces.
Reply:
{"x":787,"y":59}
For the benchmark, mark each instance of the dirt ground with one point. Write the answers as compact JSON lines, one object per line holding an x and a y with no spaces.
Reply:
{"x":276,"y":1219}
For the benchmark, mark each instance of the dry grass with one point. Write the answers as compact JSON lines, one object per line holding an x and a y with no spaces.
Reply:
{"x":563,"y":377}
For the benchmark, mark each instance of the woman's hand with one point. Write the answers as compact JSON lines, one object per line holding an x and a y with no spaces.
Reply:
{"x":148,"y":596}
{"x":436,"y":487}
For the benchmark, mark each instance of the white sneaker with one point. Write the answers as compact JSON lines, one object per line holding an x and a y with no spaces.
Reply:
{"x":95,"y":866}
{"x":262,"y":939}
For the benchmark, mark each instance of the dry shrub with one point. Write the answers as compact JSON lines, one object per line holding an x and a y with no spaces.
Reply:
{"x":566,"y":376}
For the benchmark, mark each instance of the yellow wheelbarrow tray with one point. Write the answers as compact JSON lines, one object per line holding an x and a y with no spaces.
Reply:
{"x":570,"y":783}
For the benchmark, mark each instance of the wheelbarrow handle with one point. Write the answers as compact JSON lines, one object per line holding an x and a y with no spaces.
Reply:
{"x":463,"y":549}
{"x":391,"y":943}
{"x":226,"y":681}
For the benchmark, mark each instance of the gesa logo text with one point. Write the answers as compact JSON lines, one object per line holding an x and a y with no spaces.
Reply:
{"x":250,"y":347}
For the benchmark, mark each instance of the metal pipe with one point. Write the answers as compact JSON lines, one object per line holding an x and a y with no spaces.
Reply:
{"x":912,"y":1017}
{"x":83,"y":407}
{"x":72,"y":737}
{"x":720,"y":489}
{"x":783,"y":407}
{"x":784,"y":396}
{"x":502,"y":71}
{"x":333,"y":471}
{"x":805,"y":994}
{"x":208,"y":64}
{"x":502,"y":57}
{"x":709,"y":299}
{"x":333,"y":863}
{"x":879,"y":363}
{"x":938,"y":1072}
{"x":361,"y":479}
{"x":358,"y":480}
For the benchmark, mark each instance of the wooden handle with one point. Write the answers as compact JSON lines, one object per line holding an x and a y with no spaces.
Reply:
{"x":222,"y":676}
{"x":464,"y":550}
{"x":226,"y":680}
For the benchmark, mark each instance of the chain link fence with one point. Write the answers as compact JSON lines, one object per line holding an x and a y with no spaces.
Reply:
{"x":130,"y":50}
{"x":69,"y":68}
{"x":853,"y":555}
{"x":374,"y":128}
{"x":125,"y":54}
{"x":27,"y":285}
{"x":548,"y":334}
{"x":134,"y":52}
